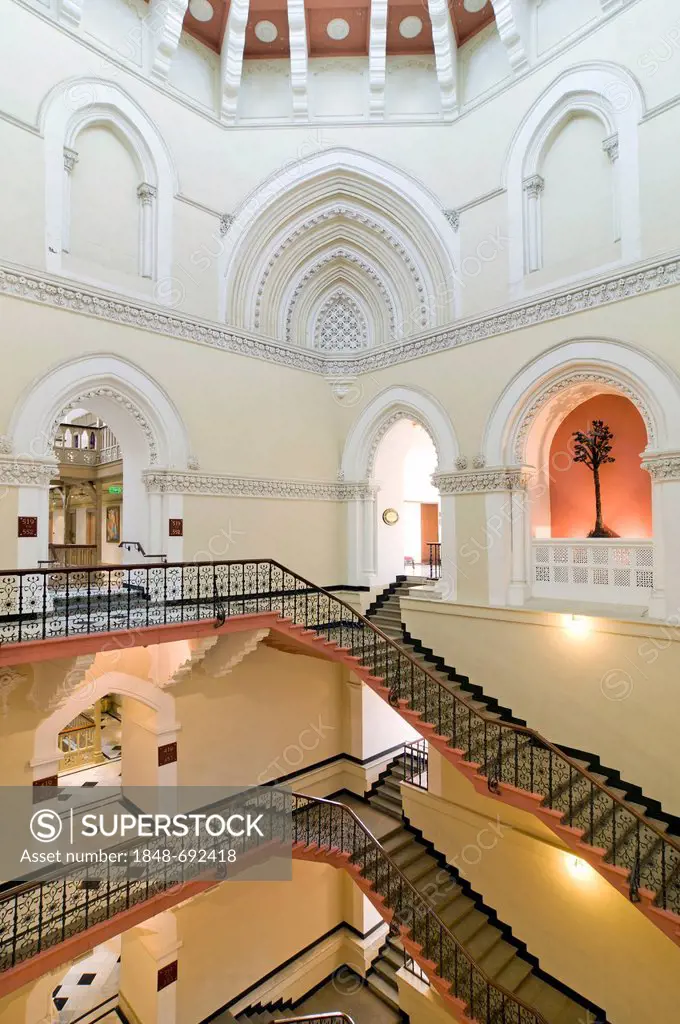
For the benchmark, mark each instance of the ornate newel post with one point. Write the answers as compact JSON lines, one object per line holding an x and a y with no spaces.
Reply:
{"x":664,"y":469}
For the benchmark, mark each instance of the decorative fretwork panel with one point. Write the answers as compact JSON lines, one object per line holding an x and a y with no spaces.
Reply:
{"x":341,"y":325}
{"x":595,"y":563}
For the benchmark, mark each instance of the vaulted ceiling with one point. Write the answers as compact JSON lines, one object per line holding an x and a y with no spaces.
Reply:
{"x":334,"y":27}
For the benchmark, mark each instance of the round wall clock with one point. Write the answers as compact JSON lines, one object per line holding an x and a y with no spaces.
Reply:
{"x":390,"y":516}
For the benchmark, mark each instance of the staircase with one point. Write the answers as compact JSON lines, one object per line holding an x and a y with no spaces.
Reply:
{"x":610,"y":823}
{"x":489,"y":942}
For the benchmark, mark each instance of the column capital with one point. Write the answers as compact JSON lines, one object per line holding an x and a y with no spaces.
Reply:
{"x":534,"y":185}
{"x":70,"y":159}
{"x":611,"y":147}
{"x":26,"y":472}
{"x":484,"y":481}
{"x":146,"y":193}
{"x":662,"y":466}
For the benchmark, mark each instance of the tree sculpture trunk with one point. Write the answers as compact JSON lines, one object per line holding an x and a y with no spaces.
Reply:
{"x":599,"y":530}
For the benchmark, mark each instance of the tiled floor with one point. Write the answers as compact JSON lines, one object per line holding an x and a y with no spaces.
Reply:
{"x":89,"y":983}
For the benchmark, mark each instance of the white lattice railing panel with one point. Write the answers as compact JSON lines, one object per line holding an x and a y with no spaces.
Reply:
{"x":594,"y":564}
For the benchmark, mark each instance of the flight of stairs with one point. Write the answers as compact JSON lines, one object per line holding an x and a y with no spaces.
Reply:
{"x":489,"y":942}
{"x":571,"y":798}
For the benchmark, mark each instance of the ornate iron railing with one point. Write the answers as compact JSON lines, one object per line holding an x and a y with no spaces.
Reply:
{"x":414,"y":760}
{"x":37,"y":915}
{"x":39,"y":604}
{"x":435,"y":560}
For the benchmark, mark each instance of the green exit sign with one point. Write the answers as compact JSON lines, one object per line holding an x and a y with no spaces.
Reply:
{"x":115,"y":489}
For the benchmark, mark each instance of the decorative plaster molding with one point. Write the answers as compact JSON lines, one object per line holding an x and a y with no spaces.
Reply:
{"x":453,"y":217}
{"x":570,"y":380}
{"x":170,"y":482}
{"x":146,"y":193}
{"x":500,"y":478}
{"x":226,"y":220}
{"x":445,"y":55}
{"x":231,"y":70}
{"x":5,"y":445}
{"x":352,"y":214}
{"x":512,"y":21}
{"x":297,"y":37}
{"x":462,"y":462}
{"x":662,"y":466}
{"x":611,"y":147}
{"x":26,"y":472}
{"x":122,"y":399}
{"x":164,"y":20}
{"x":387,"y":423}
{"x":9,"y":680}
{"x":534,"y":185}
{"x":336,"y":254}
{"x":638,"y":279}
{"x":377,"y":59}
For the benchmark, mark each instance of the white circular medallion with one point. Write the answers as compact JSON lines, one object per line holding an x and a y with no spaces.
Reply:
{"x":201,"y":10}
{"x":337,"y":28}
{"x":410,"y":27}
{"x":266,"y":31}
{"x":473,"y":6}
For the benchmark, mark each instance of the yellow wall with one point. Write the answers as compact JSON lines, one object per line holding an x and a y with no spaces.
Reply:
{"x":583,"y":931}
{"x":611,"y":692}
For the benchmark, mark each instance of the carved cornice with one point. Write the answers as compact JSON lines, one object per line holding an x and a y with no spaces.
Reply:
{"x":221,"y":484}
{"x":499,"y":478}
{"x":639,"y":279}
{"x":26,"y":472}
{"x":662,"y":466}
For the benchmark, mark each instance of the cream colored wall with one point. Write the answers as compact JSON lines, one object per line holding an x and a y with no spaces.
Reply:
{"x":459,"y":162}
{"x":581,"y":929}
{"x":611,"y":692}
{"x":272,"y":715}
{"x":140,"y":743}
{"x":234,"y":935}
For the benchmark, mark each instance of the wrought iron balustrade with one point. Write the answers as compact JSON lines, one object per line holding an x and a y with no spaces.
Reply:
{"x":435,"y":560}
{"x":414,"y":760}
{"x":38,"y":915}
{"x":40,"y":604}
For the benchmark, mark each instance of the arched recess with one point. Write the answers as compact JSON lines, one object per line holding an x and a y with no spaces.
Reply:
{"x":524,"y":421}
{"x":338,"y":198}
{"x":358,"y":464}
{"x":146,"y":423}
{"x":607,"y":92}
{"x":81,"y":103}
{"x":46,"y":753}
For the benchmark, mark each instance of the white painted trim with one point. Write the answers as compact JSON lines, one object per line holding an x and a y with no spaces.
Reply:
{"x":46,"y":735}
{"x":231,"y":60}
{"x":76,"y":104}
{"x":377,"y":59}
{"x":164,"y":21}
{"x":610,"y":93}
{"x":297,"y":34}
{"x":445,"y":55}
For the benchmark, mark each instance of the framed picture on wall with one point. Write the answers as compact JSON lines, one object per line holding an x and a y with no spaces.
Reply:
{"x":113,"y":524}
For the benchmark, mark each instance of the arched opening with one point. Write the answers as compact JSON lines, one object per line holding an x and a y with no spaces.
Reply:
{"x":86,"y":513}
{"x":112,"y":730}
{"x":390,"y":464}
{"x":105,"y":426}
{"x":408,"y":506}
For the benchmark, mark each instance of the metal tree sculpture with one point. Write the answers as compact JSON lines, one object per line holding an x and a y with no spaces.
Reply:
{"x":593,"y":448}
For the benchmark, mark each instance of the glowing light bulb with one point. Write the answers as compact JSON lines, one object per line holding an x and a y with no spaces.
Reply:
{"x":577,"y":625}
{"x":578,"y":869}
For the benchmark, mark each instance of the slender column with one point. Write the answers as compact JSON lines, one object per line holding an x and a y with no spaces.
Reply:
{"x":664,"y":469}
{"x":147,"y":195}
{"x":533,"y":234}
{"x":520,"y":540}
{"x":297,"y":31}
{"x":447,"y":585}
{"x":232,"y":58}
{"x":377,"y":58}
{"x":70,"y":160}
{"x":611,"y":148}
{"x":97,"y":727}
